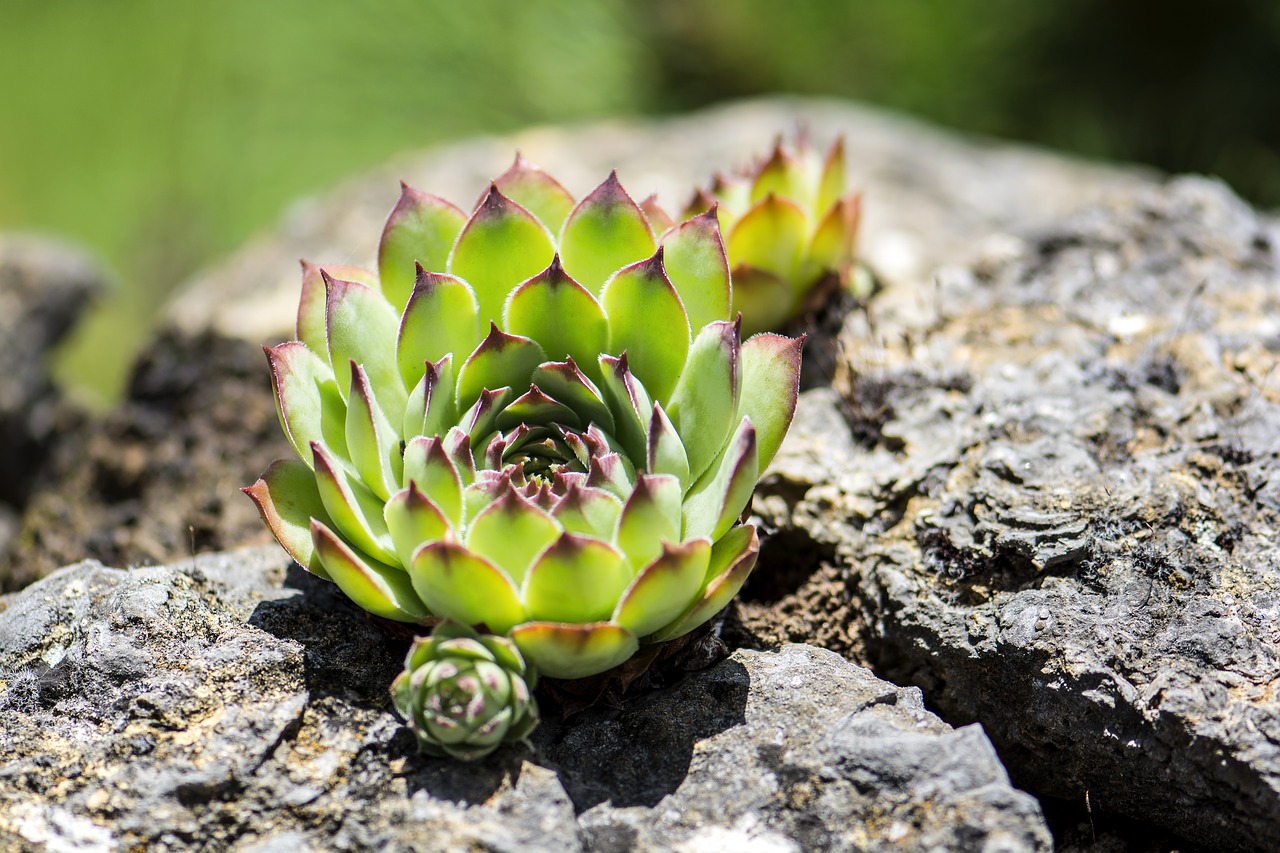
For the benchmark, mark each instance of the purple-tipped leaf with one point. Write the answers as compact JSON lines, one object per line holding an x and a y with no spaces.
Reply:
{"x":779,"y":175}
{"x":704,"y":404}
{"x":604,"y":233}
{"x":647,"y":321}
{"x":613,"y":473}
{"x":372,"y":441}
{"x":589,"y":511}
{"x":360,"y":325}
{"x":732,"y":559}
{"x":831,"y":184}
{"x":574,"y":651}
{"x":356,"y":512}
{"x":718,"y":498}
{"x":770,"y":236}
{"x":770,"y":388}
{"x":432,"y":408}
{"x":558,"y":313}
{"x":563,"y":381}
{"x":480,"y":420}
{"x":535,"y":408}
{"x":378,"y":588}
{"x":287,"y":500}
{"x":413,"y":520}
{"x":659,"y":220}
{"x":763,"y":299}
{"x":440,"y":319}
{"x":511,"y":532}
{"x":665,"y":588}
{"x":666,"y":453}
{"x":312,"y":323}
{"x":629,"y":402}
{"x":650,"y":517}
{"x":537,"y":192}
{"x":458,"y":584}
{"x":308,"y":400}
{"x":698,"y":266}
{"x":420,"y":230}
{"x":501,"y":361}
{"x":834,"y":243}
{"x":577,"y":579}
{"x":427,"y":465}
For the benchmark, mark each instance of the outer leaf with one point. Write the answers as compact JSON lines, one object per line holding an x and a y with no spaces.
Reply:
{"x":537,"y":192}
{"x":441,"y":318}
{"x":770,"y":388}
{"x":502,"y":245}
{"x":577,"y":579}
{"x":458,"y":584}
{"x":605,"y":232}
{"x":373,"y":442}
{"x":420,"y":230}
{"x":356,"y":511}
{"x":648,"y":323}
{"x":650,"y":518}
{"x":574,"y":651}
{"x":308,"y":401}
{"x":558,"y":313}
{"x":704,"y":404}
{"x":665,"y":588}
{"x":696,"y":263}
{"x":501,"y":361}
{"x":770,"y":236}
{"x":428,"y":467}
{"x":718,"y":498}
{"x":510,"y":533}
{"x":360,"y":323}
{"x":382,"y":590}
{"x":413,"y":521}
{"x":311,"y":306}
{"x":732,"y":559}
{"x":287,"y":500}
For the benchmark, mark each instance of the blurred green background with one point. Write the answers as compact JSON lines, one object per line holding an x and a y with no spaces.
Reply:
{"x":161,"y":134}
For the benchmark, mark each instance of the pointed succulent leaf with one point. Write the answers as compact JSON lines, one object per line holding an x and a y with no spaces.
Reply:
{"x":628,"y":401}
{"x":704,"y":404}
{"x":372,"y":441}
{"x":501,"y":245}
{"x":732,"y":559}
{"x":835,"y":240}
{"x":535,"y":408}
{"x":312,"y":322}
{"x":413,"y":520}
{"x":427,"y":465}
{"x":480,"y":419}
{"x":574,"y":651}
{"x":457,"y":444}
{"x":770,"y":236}
{"x":441,"y":318}
{"x":381,"y":589}
{"x":356,"y":511}
{"x":593,"y":512}
{"x":458,"y":584}
{"x":659,"y":220}
{"x":360,"y":323}
{"x":761,"y":298}
{"x":718,"y":498}
{"x":650,"y":517}
{"x":511,"y":532}
{"x":563,"y":381}
{"x":604,"y":233}
{"x":432,"y":409}
{"x":611,"y":472}
{"x":666,"y":453}
{"x":420,"y":230}
{"x":777,"y":176}
{"x":577,"y":579}
{"x":648,"y":323}
{"x":770,"y":388}
{"x":697,"y":264}
{"x":831,"y":184}
{"x":537,"y":192}
{"x":501,"y":361}
{"x":308,"y":402}
{"x":287,"y":500}
{"x":559,"y":314}
{"x":665,"y":588}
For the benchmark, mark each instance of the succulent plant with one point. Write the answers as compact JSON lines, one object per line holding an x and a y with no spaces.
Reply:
{"x":791,"y":232}
{"x":464,"y":694}
{"x":548,"y":429}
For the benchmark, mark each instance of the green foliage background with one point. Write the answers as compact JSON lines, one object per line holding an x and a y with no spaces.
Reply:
{"x":163,"y":133}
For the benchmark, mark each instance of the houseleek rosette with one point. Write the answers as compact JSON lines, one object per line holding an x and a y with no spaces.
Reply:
{"x":791,"y":231}
{"x":465,"y":694}
{"x":547,"y":429}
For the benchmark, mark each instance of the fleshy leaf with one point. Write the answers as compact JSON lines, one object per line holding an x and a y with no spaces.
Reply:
{"x":574,"y":651}
{"x":589,"y":511}
{"x":629,"y":401}
{"x":704,"y":404}
{"x":563,"y":381}
{"x":777,"y":176}
{"x":648,"y":323}
{"x":413,"y":521}
{"x":312,"y":323}
{"x":356,"y":512}
{"x":732,"y":559}
{"x":770,"y":236}
{"x":441,"y":318}
{"x":718,"y":498}
{"x":421,"y":229}
{"x":308,"y":401}
{"x":659,"y":220}
{"x":577,"y":579}
{"x":381,"y":589}
{"x":835,"y":240}
{"x":650,"y":517}
{"x":764,"y":300}
{"x":770,"y":388}
{"x":431,"y":409}
{"x":480,"y":419}
{"x":510,"y":533}
{"x":361,"y":323}
{"x":831,"y":185}
{"x":558,"y":313}
{"x":537,"y":409}
{"x":374,"y":444}
{"x":502,"y":245}
{"x":604,"y":233}
{"x":666,"y":454}
{"x":501,"y":361}
{"x":537,"y":192}
{"x":665,"y":588}
{"x":287,"y":500}
{"x":457,"y":584}
{"x":428,"y":466}
{"x":613,"y":473}
{"x":696,"y":262}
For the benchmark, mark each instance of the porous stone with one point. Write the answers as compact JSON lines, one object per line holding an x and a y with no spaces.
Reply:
{"x":232,"y":702}
{"x":1057,"y":506}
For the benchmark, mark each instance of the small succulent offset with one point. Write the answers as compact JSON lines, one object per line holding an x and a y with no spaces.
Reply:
{"x":536,"y":420}
{"x":791,"y":231}
{"x":464,"y":694}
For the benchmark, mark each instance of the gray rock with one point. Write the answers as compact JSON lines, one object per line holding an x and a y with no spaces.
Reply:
{"x":930,"y":197}
{"x":1060,"y":513}
{"x":233,"y":702}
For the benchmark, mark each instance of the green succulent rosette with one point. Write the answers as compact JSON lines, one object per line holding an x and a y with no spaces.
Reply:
{"x":791,"y":232}
{"x":536,"y":419}
{"x":464,"y":694}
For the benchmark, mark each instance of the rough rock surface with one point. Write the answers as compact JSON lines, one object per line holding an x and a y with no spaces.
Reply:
{"x":1057,"y":506}
{"x":235,"y":703}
